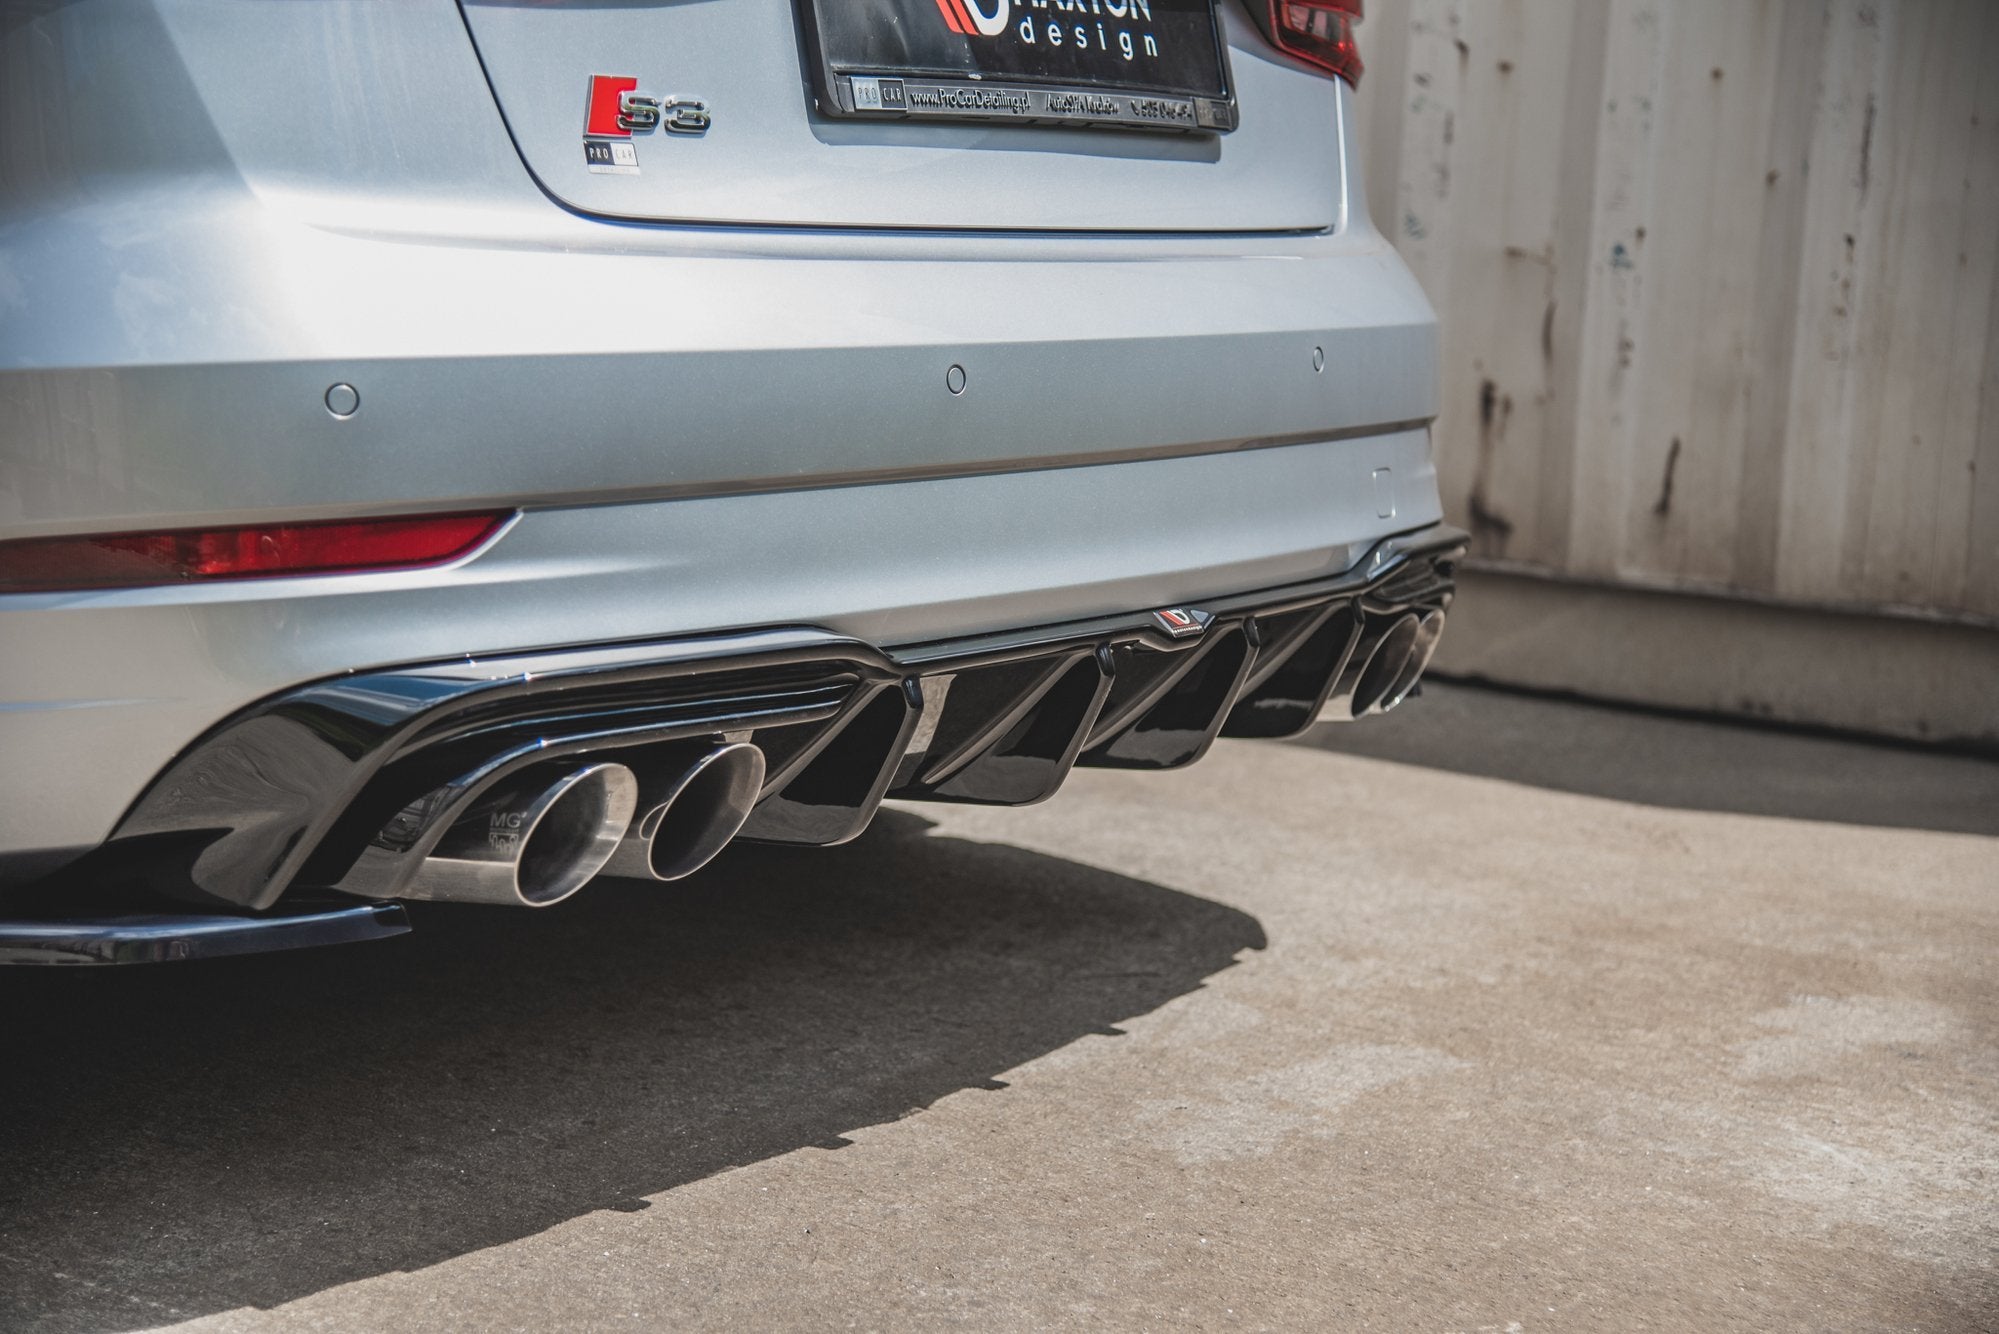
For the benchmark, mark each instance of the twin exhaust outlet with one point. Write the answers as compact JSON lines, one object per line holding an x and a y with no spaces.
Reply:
{"x":1384,"y":666}
{"x":536,"y":839}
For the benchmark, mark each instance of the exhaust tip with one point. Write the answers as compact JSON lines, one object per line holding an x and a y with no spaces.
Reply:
{"x":1429,"y":630}
{"x":582,"y":819}
{"x":1372,"y":671}
{"x":693,"y":815}
{"x":533,"y":841}
{"x":1385,"y":666}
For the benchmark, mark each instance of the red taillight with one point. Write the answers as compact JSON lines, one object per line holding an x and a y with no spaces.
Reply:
{"x":129,"y":560}
{"x":1319,"y":32}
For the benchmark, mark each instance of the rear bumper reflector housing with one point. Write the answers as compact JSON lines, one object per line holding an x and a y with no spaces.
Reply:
{"x":255,"y":551}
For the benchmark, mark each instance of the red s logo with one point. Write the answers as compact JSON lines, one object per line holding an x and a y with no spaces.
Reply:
{"x":606,"y":92}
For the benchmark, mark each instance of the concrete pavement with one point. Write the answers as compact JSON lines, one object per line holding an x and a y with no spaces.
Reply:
{"x":1493,"y":1014}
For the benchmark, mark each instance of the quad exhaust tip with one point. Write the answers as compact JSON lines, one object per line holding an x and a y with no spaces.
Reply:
{"x":533,"y":841}
{"x":689,"y":814}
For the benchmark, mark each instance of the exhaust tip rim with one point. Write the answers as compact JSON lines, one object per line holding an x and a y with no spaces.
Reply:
{"x":607,"y":795}
{"x":721,"y":788}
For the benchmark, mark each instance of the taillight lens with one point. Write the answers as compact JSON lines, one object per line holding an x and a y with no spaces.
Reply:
{"x":1318,"y":32}
{"x":262,"y":551}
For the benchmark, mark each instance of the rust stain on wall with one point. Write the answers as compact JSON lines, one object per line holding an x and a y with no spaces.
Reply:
{"x":1490,"y":529}
{"x":1664,"y":505}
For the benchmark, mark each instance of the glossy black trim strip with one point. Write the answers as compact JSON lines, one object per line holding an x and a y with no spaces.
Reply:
{"x":1388,"y":556}
{"x":167,"y":938}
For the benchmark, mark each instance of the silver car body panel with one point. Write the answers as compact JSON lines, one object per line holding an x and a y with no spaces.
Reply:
{"x":706,"y":428}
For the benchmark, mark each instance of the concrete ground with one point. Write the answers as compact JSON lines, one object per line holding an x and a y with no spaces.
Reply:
{"x":1495,"y":1014}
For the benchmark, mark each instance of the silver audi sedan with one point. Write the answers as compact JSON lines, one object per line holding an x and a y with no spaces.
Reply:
{"x":454,"y":449}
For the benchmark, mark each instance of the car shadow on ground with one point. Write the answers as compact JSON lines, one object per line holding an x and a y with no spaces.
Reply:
{"x":1688,"y":764}
{"x":180,"y":1140}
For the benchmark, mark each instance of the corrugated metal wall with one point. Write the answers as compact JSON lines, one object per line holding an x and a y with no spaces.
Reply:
{"x":1719,"y":285}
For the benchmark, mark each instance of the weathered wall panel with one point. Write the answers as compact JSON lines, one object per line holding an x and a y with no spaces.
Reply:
{"x":1719,"y":282}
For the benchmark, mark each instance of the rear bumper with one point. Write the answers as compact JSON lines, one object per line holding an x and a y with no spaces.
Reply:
{"x":102,"y":690}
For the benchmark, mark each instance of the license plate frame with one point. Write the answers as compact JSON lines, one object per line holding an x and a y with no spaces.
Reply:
{"x":1161,"y":65}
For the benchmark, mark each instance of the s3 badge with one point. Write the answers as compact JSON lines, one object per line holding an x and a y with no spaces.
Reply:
{"x":616,"y":110}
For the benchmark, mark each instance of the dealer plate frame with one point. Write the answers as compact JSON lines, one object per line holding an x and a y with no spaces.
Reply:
{"x":863,"y":93}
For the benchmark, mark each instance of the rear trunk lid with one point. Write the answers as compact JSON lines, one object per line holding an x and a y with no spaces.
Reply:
{"x":744,"y":135}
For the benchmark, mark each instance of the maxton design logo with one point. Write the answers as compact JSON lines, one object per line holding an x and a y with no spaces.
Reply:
{"x":1181,"y":622}
{"x":989,"y":18}
{"x":969,"y":16}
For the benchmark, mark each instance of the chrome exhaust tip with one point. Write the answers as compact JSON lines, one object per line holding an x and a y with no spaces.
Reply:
{"x":531,"y":842}
{"x":1371,"y":669}
{"x":1384,"y":668}
{"x":1429,"y":629}
{"x":689,"y":814}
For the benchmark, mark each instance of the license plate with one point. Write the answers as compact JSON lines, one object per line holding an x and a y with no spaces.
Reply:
{"x":1149,"y":64}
